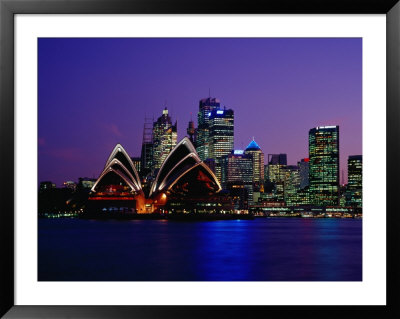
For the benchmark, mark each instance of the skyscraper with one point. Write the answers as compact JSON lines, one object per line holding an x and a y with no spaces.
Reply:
{"x":323,"y":144}
{"x":304,"y":166}
{"x":164,"y":138}
{"x":275,"y":168}
{"x":292,"y":183}
{"x":276,"y":173}
{"x":203,"y":116}
{"x":191,"y":131}
{"x":220,"y":141}
{"x":146,"y":157}
{"x":257,"y":156}
{"x":237,"y":177}
{"x":354,"y":186}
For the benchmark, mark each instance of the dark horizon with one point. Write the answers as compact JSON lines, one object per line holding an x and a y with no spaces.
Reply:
{"x":95,"y":93}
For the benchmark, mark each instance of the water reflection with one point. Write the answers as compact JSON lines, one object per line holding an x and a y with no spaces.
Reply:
{"x":247,"y":250}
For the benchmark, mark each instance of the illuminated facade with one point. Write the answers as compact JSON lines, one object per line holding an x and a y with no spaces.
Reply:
{"x":137,"y":162}
{"x":221,"y":127}
{"x":203,"y":117}
{"x":192,"y":132}
{"x":301,"y":197}
{"x":181,"y":177}
{"x":276,"y":167}
{"x":304,"y":166}
{"x":119,"y":174}
{"x":237,"y":177}
{"x":146,"y":156}
{"x":324,"y":165}
{"x":164,"y":138}
{"x":276,"y":174}
{"x":257,"y":157}
{"x":354,"y":186}
{"x":292,"y":182}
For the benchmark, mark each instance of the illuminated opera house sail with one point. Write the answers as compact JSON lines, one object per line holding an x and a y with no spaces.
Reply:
{"x":183,"y":182}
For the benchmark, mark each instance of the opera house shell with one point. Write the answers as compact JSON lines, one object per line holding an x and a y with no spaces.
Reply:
{"x":183,"y":181}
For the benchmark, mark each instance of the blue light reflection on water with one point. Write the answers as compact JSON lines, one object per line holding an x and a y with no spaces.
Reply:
{"x":273,"y":249}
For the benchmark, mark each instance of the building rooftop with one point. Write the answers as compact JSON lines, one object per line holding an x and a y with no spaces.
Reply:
{"x":253,"y":146}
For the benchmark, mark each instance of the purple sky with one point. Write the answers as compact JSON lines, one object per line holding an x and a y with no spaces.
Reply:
{"x":94,"y":93}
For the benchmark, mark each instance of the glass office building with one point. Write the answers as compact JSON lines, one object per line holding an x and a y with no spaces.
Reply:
{"x":323,"y":144}
{"x":164,"y":138}
{"x":257,"y":156}
{"x":221,"y":125}
{"x":203,"y":117}
{"x":237,"y":177}
{"x":354,"y":186}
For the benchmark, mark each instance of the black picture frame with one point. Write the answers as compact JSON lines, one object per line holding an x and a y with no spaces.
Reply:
{"x":8,"y":8}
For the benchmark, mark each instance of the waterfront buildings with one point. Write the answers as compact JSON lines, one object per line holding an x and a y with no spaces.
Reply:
{"x":183,"y":183}
{"x":276,"y":174}
{"x":257,"y":156}
{"x":275,"y":167}
{"x":237,"y":177}
{"x":292,"y":183}
{"x":164,"y":138}
{"x":221,"y":133}
{"x":323,"y":144}
{"x":70,"y":185}
{"x":86,"y":183}
{"x":203,"y":117}
{"x":304,"y":166}
{"x":354,"y":186}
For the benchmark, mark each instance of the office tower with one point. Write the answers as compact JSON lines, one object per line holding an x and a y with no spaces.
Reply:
{"x":275,"y":167}
{"x":191,"y":131}
{"x":137,"y":161}
{"x":237,"y":177}
{"x":276,"y":174}
{"x":221,"y":124}
{"x":292,"y":182}
{"x":354,"y":184}
{"x":203,"y":116}
{"x":304,"y":166}
{"x":323,"y":144}
{"x":164,"y":138}
{"x":146,"y":157}
{"x":299,"y":198}
{"x":257,"y":156}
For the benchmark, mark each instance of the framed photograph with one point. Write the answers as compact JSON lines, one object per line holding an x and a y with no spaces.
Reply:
{"x":167,"y":159}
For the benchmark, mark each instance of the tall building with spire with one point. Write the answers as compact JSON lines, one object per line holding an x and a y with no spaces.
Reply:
{"x":257,"y":156}
{"x":203,"y":119}
{"x":164,"y":138}
{"x":323,"y":142}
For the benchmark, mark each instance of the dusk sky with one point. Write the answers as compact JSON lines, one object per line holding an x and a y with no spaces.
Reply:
{"x":94,"y":93}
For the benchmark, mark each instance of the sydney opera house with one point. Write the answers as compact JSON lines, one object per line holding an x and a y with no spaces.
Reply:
{"x":183,"y":184}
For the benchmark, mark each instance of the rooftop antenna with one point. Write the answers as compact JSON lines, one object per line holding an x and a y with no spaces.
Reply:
{"x":209,"y":93}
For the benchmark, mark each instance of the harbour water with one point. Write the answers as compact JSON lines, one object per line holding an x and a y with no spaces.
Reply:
{"x":263,"y":249}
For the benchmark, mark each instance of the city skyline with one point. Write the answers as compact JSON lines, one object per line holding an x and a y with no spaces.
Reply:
{"x":74,"y":134}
